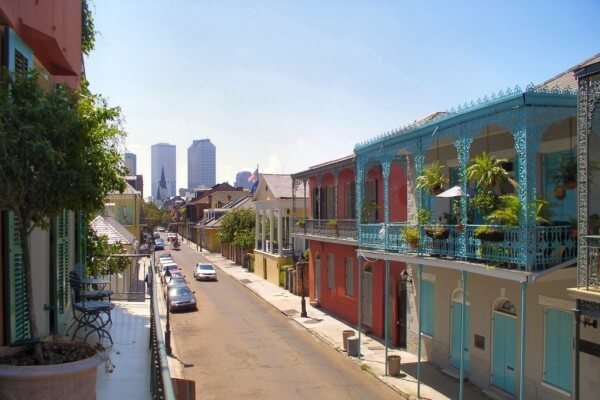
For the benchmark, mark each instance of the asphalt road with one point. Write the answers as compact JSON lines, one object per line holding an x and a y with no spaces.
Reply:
{"x":237,"y":346}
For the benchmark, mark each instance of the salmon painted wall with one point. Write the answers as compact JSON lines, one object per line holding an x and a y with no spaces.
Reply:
{"x":397,"y":192}
{"x":345,"y":176}
{"x":52,"y":28}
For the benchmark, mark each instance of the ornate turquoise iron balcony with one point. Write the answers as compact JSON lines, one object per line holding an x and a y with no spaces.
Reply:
{"x":589,"y":275}
{"x":499,"y":249}
{"x":343,"y":229}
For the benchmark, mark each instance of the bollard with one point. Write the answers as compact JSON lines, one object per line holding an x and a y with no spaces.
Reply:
{"x":353,"y":346}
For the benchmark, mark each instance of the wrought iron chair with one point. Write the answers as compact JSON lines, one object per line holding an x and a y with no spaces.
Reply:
{"x":94,"y":315}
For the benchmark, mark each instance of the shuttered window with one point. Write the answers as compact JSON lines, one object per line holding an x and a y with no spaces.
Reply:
{"x":330,"y":271}
{"x":21,"y":62}
{"x":427,"y":307}
{"x":18,"y":321}
{"x":81,"y":241}
{"x":349,"y":267}
{"x":558,"y":357}
{"x":62,"y":260}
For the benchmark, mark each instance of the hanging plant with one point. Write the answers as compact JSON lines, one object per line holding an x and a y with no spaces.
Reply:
{"x":433,"y":179}
{"x":437,"y":232}
{"x":567,"y":173}
{"x":485,"y":201}
{"x":560,"y":192}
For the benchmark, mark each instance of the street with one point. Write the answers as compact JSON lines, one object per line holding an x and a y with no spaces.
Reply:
{"x":236,"y":346}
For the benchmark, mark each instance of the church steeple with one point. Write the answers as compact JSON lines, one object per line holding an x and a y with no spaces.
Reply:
{"x":162,"y":184}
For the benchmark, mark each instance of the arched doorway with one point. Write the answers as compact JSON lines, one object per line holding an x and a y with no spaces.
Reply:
{"x":504,"y":318}
{"x":456,"y":328}
{"x":367,"y":295}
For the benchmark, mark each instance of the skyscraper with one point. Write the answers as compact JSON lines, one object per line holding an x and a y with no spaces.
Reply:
{"x":241,"y":179}
{"x":130,"y":163}
{"x":163,"y":156}
{"x":202,"y":164}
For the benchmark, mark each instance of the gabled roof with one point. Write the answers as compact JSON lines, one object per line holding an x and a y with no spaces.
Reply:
{"x":113,"y":230}
{"x":567,"y":79}
{"x":280,"y":185}
{"x":128,"y":190}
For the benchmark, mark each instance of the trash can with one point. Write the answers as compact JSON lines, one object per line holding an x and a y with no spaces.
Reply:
{"x":353,"y":346}
{"x":393,"y":365}
{"x":345,"y":335}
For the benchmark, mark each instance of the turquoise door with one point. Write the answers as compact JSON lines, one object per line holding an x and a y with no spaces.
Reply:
{"x":455,"y":339}
{"x":558,"y":358}
{"x":503,"y":352}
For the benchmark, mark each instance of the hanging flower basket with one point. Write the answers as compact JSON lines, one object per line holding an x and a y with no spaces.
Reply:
{"x":437,"y":232}
{"x":489,"y":234}
{"x":560,"y":192}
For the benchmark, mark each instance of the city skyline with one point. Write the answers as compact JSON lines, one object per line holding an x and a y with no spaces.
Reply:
{"x":201,"y":161}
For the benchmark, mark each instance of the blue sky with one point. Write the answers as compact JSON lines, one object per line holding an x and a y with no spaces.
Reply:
{"x":287,"y":85}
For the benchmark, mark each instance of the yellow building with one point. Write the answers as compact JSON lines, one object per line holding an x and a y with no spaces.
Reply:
{"x":126,"y":209}
{"x":273,"y":247}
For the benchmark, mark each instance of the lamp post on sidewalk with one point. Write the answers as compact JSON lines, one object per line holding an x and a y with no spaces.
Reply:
{"x":302,"y":300}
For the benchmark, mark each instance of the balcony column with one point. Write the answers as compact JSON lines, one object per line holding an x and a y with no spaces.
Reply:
{"x":463,"y":146}
{"x":305,"y":209}
{"x":335,"y":194}
{"x":279,"y":233}
{"x":256,"y":228}
{"x":271,"y":231}
{"x":294,"y":183}
{"x":263,"y":230}
{"x":318,"y":199}
{"x":360,"y":191}
{"x":526,"y":144}
{"x":385,"y":169}
{"x":419,"y":162}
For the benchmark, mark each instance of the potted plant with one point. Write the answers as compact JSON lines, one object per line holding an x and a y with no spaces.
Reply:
{"x":64,"y":155}
{"x":437,"y":232}
{"x":487,"y":172}
{"x":456,"y":210}
{"x":332,"y":224}
{"x":487,"y":233}
{"x":301,"y":223}
{"x":424,"y":216}
{"x":433,"y":179}
{"x":369,"y":211}
{"x":567,"y":173}
{"x":411,"y":235}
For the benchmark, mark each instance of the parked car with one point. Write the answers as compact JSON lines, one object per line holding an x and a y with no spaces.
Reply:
{"x":159,"y":244}
{"x":156,"y":235}
{"x":175,"y":281}
{"x":181,"y":298}
{"x":165,"y":255}
{"x":168,"y":267}
{"x":205,"y":272}
{"x":160,"y":229}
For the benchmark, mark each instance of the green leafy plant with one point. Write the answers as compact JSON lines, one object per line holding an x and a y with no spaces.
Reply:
{"x":306,"y":254}
{"x":486,"y":201}
{"x":488,"y":233}
{"x":301,"y":223}
{"x":411,"y":235}
{"x":487,"y":172}
{"x":510,"y":207}
{"x":59,"y":149}
{"x":332,"y":223}
{"x":433,"y":179}
{"x":88,"y":32}
{"x":567,"y":172}
{"x":98,"y":259}
{"x":154,"y":216}
{"x":369,"y":211}
{"x":424,"y":216}
{"x":237,"y":228}
{"x":437,"y":231}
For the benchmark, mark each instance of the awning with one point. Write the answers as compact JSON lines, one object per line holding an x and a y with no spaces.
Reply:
{"x":456,"y":191}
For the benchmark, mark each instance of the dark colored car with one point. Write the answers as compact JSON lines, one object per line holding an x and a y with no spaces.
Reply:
{"x":159,"y":244}
{"x":174,"y":282}
{"x":181,"y":298}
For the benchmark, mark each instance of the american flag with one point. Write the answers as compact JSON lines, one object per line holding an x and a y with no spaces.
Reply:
{"x":254,"y":176}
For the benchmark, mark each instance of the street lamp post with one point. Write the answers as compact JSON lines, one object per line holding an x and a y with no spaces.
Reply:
{"x":302,"y":300}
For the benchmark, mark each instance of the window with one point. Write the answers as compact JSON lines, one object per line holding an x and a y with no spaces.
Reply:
{"x":349,"y":200}
{"x":370,"y":205}
{"x":21,"y":63}
{"x":562,"y":210}
{"x":427,"y":307}
{"x":558,"y":348}
{"x":349,"y":269}
{"x":330,"y":270}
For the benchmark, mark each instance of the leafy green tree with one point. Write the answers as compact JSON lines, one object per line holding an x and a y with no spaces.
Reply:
{"x":59,"y":149}
{"x":155,"y":216}
{"x":237,"y":228}
{"x":98,"y":256}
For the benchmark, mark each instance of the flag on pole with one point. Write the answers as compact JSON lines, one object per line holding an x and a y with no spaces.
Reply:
{"x":254,"y":176}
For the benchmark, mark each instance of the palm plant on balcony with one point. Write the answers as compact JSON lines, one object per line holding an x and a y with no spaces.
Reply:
{"x":487,"y":172}
{"x":59,"y":150}
{"x":433,"y":179}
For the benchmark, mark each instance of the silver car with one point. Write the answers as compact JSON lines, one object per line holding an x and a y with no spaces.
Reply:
{"x":181,"y":298}
{"x":205,"y":272}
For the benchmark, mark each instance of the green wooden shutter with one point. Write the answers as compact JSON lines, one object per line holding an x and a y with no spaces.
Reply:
{"x":62,"y":258}
{"x":81,"y":240}
{"x":17,"y":286}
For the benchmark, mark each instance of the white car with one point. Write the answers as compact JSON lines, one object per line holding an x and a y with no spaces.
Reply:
{"x":168,"y":267}
{"x":205,"y":272}
{"x":171,"y":236}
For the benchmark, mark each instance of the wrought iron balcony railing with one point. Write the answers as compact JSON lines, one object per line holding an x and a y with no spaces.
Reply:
{"x":499,"y":248}
{"x":589,"y":275}
{"x":341,"y":229}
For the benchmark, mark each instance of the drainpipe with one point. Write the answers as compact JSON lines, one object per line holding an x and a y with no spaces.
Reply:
{"x":387,"y":311}
{"x":577,"y":312}
{"x":463,"y":322}
{"x":523,"y":319}
{"x":419,"y":332}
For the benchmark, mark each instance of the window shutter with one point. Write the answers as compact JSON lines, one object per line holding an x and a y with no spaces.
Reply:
{"x":62,"y":260}
{"x":81,"y":240}
{"x":17,"y":291}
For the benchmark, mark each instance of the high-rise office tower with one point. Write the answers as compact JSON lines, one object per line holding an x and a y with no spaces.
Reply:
{"x":130,"y":163}
{"x":202,"y":162}
{"x":163,"y":156}
{"x":241,"y":179}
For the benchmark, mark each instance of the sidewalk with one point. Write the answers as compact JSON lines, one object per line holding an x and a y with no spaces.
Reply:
{"x":434,"y":383}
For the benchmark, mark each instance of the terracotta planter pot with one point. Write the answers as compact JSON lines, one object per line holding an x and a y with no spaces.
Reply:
{"x":491,"y":236}
{"x":437,"y":235}
{"x":459,"y":228}
{"x":560,"y":192}
{"x":413,"y":244}
{"x":437,"y":190}
{"x":570,"y":184}
{"x":574,"y":232}
{"x":74,"y":380}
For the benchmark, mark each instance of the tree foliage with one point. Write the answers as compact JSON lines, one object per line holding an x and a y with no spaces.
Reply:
{"x":237,"y":228}
{"x":88,"y":32}
{"x":155,"y":216}
{"x":98,"y":260}
{"x":59,"y":149}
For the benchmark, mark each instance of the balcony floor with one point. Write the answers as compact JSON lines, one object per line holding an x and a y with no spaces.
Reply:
{"x":130,"y":332}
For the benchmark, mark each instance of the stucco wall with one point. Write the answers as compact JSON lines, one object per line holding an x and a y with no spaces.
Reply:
{"x":269,"y":263}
